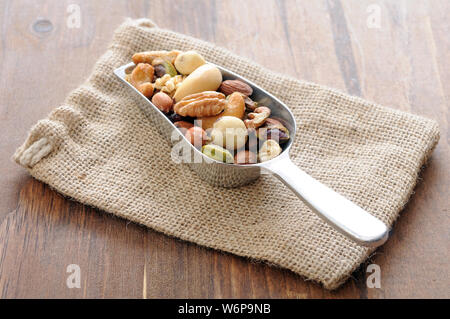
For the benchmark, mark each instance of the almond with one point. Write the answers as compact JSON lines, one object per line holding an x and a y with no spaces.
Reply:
{"x":230,"y":86}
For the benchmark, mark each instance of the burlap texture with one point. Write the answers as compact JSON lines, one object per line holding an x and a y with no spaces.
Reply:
{"x":102,"y":151}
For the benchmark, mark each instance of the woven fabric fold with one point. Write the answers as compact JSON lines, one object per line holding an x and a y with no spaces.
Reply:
{"x":99,"y":149}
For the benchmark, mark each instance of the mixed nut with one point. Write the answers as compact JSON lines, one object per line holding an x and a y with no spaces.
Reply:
{"x":219,"y":117}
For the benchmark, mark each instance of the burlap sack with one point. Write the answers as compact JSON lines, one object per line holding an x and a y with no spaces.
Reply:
{"x":99,"y":149}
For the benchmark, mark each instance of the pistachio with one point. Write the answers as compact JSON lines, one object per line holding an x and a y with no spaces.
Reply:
{"x":269,"y":150}
{"x":160,"y":70}
{"x":169,"y":68}
{"x":163,"y":66}
{"x":274,"y":130}
{"x":218,"y":153}
{"x":229,"y":132}
{"x":250,"y":105}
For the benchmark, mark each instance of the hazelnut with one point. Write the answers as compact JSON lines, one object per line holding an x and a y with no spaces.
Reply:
{"x":196,"y":136}
{"x":245,"y":157}
{"x":163,"y":102}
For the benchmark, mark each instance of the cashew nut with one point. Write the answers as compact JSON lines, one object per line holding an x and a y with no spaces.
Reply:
{"x":258,"y":117}
{"x":270,"y":149}
{"x":141,"y":78}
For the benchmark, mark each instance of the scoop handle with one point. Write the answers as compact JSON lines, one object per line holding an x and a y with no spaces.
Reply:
{"x":342,"y":214}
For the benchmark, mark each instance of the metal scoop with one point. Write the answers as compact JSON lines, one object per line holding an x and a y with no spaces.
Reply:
{"x":342,"y":214}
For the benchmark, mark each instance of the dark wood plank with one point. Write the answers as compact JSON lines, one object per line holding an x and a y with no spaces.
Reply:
{"x":402,"y":64}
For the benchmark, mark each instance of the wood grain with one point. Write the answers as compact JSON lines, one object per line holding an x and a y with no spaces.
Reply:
{"x":402,"y":64}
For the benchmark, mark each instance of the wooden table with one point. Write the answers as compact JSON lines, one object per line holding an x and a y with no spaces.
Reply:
{"x":393,"y":52}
